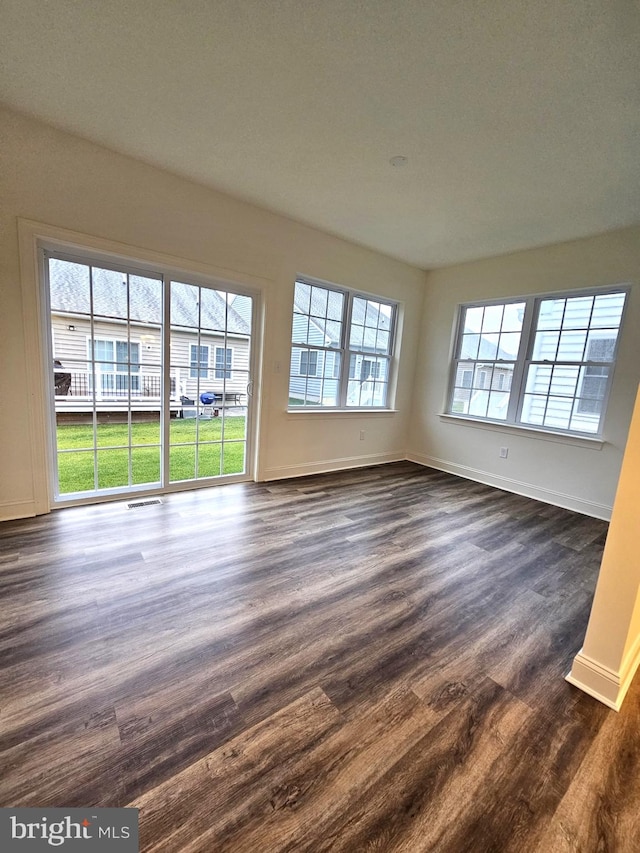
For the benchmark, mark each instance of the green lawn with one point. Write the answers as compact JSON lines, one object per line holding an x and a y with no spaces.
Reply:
{"x":214,"y":456}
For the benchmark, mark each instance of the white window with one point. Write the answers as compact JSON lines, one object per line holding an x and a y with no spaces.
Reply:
{"x":370,"y":370}
{"x":334,"y":358}
{"x":544,"y":362}
{"x":341,"y":350}
{"x":224,"y":360}
{"x":308,"y":363}
{"x":198,"y":361}
{"x":116,"y":364}
{"x":127,"y":356}
{"x":594,"y":380}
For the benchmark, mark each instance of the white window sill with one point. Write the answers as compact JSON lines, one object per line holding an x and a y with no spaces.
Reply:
{"x":307,"y":411}
{"x":592,"y":442}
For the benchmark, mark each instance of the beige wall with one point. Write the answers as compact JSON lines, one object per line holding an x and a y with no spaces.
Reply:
{"x":55,"y":178}
{"x":614,"y":625}
{"x":576,"y":474}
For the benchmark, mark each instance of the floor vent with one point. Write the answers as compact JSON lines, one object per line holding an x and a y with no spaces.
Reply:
{"x":143,"y":503}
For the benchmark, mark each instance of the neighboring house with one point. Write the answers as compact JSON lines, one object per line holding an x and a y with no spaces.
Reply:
{"x":107,"y":341}
{"x":312,"y":370}
{"x":490,"y":376}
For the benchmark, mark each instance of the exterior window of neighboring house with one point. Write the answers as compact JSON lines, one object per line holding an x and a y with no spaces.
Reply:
{"x":117,"y":365}
{"x":363,"y":368}
{"x":224,"y":359}
{"x":543,"y":362}
{"x":594,"y":379}
{"x":308,"y":363}
{"x":198,"y":361}
{"x":335,"y":373}
{"x":369,"y":370}
{"x":341,"y":348}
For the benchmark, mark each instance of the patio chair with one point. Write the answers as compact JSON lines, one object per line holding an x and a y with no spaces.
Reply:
{"x":61,"y":379}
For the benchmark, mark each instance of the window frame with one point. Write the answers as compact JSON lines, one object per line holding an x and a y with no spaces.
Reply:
{"x":113,"y":369}
{"x":524,"y":360}
{"x":198,"y":371}
{"x":592,"y":365}
{"x":344,"y":352}
{"x":223,"y":371}
{"x":130,"y":364}
{"x":310,"y":366}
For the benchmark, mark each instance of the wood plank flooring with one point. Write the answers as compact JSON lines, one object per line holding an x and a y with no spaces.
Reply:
{"x":371,"y":660}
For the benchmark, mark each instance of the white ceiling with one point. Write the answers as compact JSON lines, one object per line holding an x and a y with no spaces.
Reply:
{"x":520,"y":119}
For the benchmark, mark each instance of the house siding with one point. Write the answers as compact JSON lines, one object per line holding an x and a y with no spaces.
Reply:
{"x":71,"y":348}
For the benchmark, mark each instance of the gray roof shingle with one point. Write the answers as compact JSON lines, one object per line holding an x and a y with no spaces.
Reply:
{"x":320,"y":303}
{"x":74,"y":286}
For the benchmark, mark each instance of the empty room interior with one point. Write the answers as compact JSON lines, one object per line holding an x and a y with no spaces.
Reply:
{"x":320,"y":429}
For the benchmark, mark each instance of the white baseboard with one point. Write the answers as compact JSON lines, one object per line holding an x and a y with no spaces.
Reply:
{"x":604,"y":684}
{"x":305,"y":469}
{"x":527,"y":490}
{"x":27,"y":509}
{"x":11,"y":510}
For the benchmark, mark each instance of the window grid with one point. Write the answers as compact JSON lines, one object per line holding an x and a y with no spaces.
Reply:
{"x":308,"y":362}
{"x":116,"y":372}
{"x":558,"y":377}
{"x":348,"y":339}
{"x":224,"y":361}
{"x":489,"y":341}
{"x":199,"y":361}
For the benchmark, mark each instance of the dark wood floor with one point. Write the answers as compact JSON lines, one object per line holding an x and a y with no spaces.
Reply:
{"x":364,"y":661}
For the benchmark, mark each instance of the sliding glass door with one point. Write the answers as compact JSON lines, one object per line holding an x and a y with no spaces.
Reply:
{"x":150,"y":380}
{"x":210,"y":358}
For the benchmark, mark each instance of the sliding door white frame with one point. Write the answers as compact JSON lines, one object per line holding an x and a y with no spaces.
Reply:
{"x":36,"y":237}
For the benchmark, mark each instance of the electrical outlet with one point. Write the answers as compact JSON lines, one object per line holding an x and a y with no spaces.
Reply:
{"x":361,"y":435}
{"x":504,"y":452}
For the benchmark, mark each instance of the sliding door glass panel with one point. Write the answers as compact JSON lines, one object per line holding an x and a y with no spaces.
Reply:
{"x":106,"y":334}
{"x":124,"y":419}
{"x":210,"y":345}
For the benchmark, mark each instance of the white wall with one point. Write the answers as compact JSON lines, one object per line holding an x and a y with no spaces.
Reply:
{"x":606,"y":664}
{"x":570,"y":473}
{"x":58,"y":179}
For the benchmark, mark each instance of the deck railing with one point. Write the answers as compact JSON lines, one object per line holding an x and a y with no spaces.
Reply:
{"x":114,"y":391}
{"x":112,"y":385}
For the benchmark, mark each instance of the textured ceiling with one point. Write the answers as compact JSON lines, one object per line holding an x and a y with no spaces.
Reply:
{"x":520,"y":119}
